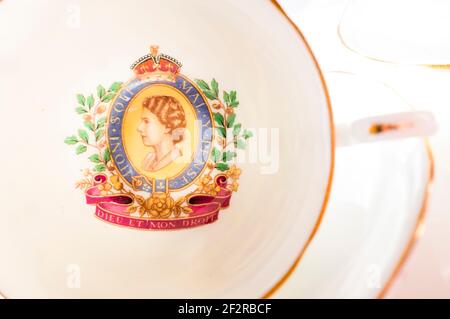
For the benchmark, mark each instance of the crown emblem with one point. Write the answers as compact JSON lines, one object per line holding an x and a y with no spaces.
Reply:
{"x":156,"y":66}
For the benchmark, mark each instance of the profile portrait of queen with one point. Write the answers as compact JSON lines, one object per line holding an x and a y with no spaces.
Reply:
{"x":161,"y":127}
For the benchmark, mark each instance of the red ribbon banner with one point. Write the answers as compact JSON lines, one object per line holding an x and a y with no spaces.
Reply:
{"x":113,"y":208}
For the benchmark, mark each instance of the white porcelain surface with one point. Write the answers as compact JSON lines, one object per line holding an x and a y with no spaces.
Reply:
{"x":48,"y":233}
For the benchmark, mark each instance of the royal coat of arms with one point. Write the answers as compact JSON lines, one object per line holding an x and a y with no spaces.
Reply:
{"x":162,"y":146}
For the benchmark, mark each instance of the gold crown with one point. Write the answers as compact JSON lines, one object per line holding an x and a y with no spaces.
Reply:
{"x":156,"y":66}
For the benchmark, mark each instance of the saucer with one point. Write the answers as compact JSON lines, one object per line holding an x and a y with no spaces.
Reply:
{"x":377,"y":205}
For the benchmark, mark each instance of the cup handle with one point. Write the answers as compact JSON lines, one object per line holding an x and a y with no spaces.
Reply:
{"x":386,"y":127}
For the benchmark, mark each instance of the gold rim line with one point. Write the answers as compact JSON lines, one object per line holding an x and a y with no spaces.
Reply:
{"x":417,"y":232}
{"x":341,"y":39}
{"x":286,"y":276}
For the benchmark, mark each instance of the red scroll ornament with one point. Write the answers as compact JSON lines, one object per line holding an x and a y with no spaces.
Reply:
{"x":113,"y":208}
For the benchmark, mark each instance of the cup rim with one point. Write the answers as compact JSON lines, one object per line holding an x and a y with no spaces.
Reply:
{"x":416,"y":232}
{"x":280,"y":282}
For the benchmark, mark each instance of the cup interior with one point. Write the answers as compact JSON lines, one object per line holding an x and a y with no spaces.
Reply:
{"x":49,"y":236}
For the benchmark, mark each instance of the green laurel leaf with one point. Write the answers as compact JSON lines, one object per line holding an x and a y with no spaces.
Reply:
{"x":218,"y":118}
{"x":226,"y":97}
{"x":71,"y":140}
{"x":89,"y":126}
{"x":233,"y":99}
{"x":94,"y":158}
{"x":222,"y":167}
{"x":90,"y":101}
{"x":234,"y":104}
{"x":222,"y":132}
{"x":237,"y":129}
{"x":108,"y":97}
{"x":230,"y":120}
{"x":106,"y":155}
{"x":101,"y":122}
{"x":215,"y":87}
{"x":240,"y":144}
{"x":232,"y":96}
{"x":81,"y":99}
{"x":215,"y":154}
{"x":101,"y":92}
{"x":83,"y":135}
{"x":80,"y":149}
{"x":203,"y":85}
{"x":210,"y":95}
{"x":81,"y":110}
{"x":247,"y":134}
{"x":115,"y":87}
{"x":99,"y":168}
{"x":99,"y":134}
{"x":228,"y":156}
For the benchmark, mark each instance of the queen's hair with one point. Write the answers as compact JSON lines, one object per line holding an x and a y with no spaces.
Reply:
{"x":169,"y":112}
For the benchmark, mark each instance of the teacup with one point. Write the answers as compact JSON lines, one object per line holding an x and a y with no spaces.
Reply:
{"x":208,"y":177}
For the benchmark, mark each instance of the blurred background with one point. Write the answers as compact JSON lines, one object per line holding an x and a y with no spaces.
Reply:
{"x":406,"y":45}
